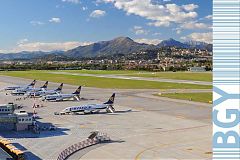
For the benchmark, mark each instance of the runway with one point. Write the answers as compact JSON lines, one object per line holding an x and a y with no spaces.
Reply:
{"x":136,"y":78}
{"x":155,"y":128}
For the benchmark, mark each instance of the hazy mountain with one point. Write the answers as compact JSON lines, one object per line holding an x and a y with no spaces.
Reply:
{"x":120,"y":45}
{"x":26,"y":55}
{"x":190,"y":44}
{"x":199,"y":45}
{"x":117,"y":46}
{"x":172,"y":43}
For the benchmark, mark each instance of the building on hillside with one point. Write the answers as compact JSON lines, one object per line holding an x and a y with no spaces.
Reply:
{"x":197,"y":69}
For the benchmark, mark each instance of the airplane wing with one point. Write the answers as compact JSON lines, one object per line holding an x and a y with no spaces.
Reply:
{"x":59,"y":99}
{"x":111,"y":109}
{"x":77,"y":98}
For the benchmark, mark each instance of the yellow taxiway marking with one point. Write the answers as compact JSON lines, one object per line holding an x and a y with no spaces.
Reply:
{"x":147,"y":149}
{"x":138,"y":156}
{"x":179,"y":116}
{"x":82,"y":126}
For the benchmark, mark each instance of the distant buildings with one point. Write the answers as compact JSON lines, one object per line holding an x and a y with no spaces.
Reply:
{"x":164,"y":59}
{"x":197,"y":69}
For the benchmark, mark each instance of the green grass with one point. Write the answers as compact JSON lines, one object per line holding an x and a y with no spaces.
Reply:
{"x":98,"y":82}
{"x":115,"y":72}
{"x":195,"y":76}
{"x":197,"y":97}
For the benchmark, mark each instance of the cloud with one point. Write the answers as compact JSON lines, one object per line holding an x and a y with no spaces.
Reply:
{"x":84,"y":8}
{"x":59,"y":6}
{"x":55,"y":20}
{"x":159,"y":24}
{"x":178,"y":31}
{"x":97,"y":13}
{"x":72,"y":1}
{"x":208,"y":17}
{"x":157,"y":34}
{"x":138,"y":30}
{"x":148,"y":41}
{"x":36,"y":23}
{"x":190,"y":7}
{"x":195,"y":25}
{"x":44,"y":46}
{"x":202,"y":37}
{"x":160,"y":15}
{"x":22,"y":41}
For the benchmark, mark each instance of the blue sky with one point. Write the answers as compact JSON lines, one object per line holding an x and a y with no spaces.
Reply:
{"x":64,"y":24}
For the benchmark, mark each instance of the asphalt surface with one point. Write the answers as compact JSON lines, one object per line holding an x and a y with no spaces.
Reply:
{"x":137,"y":78}
{"x":143,"y":126}
{"x":4,"y":155}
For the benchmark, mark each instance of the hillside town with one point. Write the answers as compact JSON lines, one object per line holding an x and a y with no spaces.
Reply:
{"x":164,"y":59}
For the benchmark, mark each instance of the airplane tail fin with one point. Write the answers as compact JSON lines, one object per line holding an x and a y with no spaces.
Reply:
{"x":45,"y":85}
{"x":33,"y":83}
{"x":60,"y":87}
{"x":111,"y":99}
{"x":77,"y":92}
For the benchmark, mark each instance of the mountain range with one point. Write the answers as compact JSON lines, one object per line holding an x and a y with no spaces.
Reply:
{"x":120,"y":45}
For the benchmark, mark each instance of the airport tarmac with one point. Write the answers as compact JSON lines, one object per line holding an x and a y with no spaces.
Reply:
{"x":4,"y":155}
{"x":144,"y":126}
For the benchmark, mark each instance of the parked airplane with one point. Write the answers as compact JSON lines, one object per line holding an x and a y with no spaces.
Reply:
{"x":92,"y":108}
{"x":62,"y":97}
{"x":17,"y":87}
{"x":22,"y":91}
{"x":45,"y":92}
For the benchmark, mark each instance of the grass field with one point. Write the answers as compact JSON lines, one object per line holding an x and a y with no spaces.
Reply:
{"x":195,"y":76}
{"x":115,"y":72}
{"x":98,"y":82}
{"x":197,"y":97}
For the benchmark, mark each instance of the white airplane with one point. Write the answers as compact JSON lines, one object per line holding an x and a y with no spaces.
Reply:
{"x":92,"y":108}
{"x":62,"y":97}
{"x":45,"y":92}
{"x":17,"y":87}
{"x":22,"y":91}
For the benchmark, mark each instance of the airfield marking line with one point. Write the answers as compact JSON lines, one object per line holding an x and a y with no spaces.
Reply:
{"x":180,"y":116}
{"x":192,"y":153}
{"x":137,"y":157}
{"x":180,"y":129}
{"x":159,"y":132}
{"x":162,"y":146}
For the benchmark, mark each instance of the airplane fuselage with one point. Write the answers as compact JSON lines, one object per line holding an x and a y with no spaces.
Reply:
{"x":21,"y":91}
{"x":90,"y":108}
{"x":43,"y":93}
{"x":59,"y":97}
{"x":12,"y":88}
